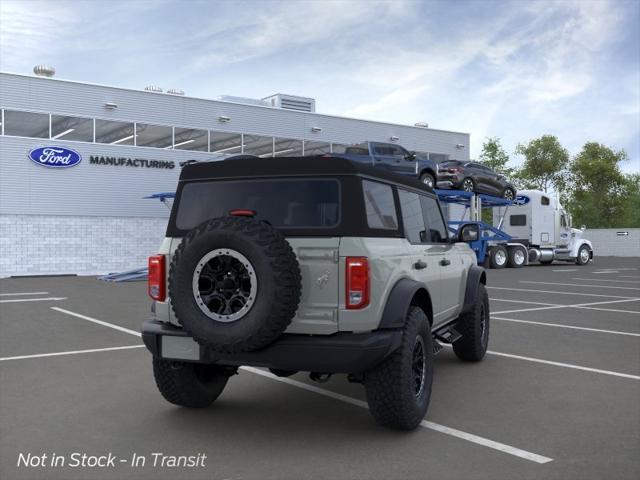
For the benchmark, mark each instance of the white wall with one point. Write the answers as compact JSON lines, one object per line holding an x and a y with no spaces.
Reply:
{"x":607,"y":242}
{"x":54,"y":245}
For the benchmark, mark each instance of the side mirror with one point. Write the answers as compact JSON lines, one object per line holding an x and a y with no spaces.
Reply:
{"x":469,"y":233}
{"x":411,"y":157}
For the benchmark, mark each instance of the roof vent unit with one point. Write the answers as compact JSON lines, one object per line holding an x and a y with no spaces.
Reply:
{"x":175,"y":91}
{"x":44,"y":71}
{"x":244,"y":100}
{"x":153,"y":88}
{"x":421,"y":124}
{"x":292,"y":102}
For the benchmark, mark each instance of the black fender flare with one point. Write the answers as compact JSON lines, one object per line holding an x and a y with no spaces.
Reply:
{"x":398,"y":303}
{"x":475,"y":277}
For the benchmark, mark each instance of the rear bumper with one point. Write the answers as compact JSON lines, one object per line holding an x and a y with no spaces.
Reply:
{"x":339,"y":353}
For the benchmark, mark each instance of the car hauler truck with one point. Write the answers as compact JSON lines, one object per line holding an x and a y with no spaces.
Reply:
{"x":532,"y":228}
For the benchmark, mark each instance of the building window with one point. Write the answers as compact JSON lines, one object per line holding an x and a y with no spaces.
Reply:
{"x":225,"y":143}
{"x":71,"y":128}
{"x":316,"y":148}
{"x":26,"y":124}
{"x":287,"y":147}
{"x":380,"y":206}
{"x":191,"y":139}
{"x":258,"y":145}
{"x":115,"y":133}
{"x":157,"y":136}
{"x":438,"y":157}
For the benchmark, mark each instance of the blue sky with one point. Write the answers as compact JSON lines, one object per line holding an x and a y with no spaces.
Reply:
{"x":511,"y":69}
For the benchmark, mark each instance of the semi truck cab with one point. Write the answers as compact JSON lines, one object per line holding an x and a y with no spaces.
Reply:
{"x":538,"y":221}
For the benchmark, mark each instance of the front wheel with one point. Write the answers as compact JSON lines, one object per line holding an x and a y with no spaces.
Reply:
{"x":399,"y":389}
{"x":584,"y":255}
{"x":474,"y":327}
{"x":192,"y":385}
{"x":428,"y":180}
{"x":508,"y":194}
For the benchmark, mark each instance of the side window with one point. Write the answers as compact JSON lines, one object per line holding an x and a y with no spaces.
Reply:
{"x":412,"y":217}
{"x":436,"y":228}
{"x":380,"y":206}
{"x":518,"y":220}
{"x":544,"y":200}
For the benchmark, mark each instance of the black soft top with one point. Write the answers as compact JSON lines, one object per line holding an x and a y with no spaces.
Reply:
{"x":253,"y":167}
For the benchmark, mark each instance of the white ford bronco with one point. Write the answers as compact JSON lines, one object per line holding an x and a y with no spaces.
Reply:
{"x":311,"y":264}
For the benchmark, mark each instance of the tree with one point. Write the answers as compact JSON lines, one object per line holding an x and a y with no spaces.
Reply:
{"x":630,"y":217}
{"x":495,"y":157}
{"x":545,"y":164}
{"x":599,"y":193}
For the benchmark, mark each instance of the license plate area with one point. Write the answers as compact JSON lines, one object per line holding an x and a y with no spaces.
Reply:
{"x":179,"y":348}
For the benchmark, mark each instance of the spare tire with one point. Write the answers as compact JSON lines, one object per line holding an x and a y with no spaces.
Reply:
{"x":234,"y":284}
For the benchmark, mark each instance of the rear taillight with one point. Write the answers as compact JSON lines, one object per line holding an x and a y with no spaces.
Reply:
{"x":156,"y":279}
{"x":357,"y":282}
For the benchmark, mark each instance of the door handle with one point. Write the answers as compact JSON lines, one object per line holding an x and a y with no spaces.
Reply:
{"x":444,"y":262}
{"x":419,"y":265}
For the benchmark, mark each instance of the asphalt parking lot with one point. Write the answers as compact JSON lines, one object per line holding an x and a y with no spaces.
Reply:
{"x":558,"y":396}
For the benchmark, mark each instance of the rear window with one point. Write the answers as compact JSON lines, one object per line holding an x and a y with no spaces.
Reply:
{"x":284,"y":203}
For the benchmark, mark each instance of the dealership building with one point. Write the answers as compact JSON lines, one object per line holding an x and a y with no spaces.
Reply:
{"x":77,"y":160}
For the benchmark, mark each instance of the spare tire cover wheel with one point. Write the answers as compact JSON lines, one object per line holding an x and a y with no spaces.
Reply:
{"x":234,"y":284}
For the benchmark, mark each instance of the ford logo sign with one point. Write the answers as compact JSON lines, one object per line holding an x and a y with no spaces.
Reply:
{"x":521,"y":200}
{"x":55,"y":157}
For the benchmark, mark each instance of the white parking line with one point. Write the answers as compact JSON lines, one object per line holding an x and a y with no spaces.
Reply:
{"x":597,"y":330}
{"x":580,"y":285}
{"x":23,"y":293}
{"x":48,"y":299}
{"x":565,"y":365}
{"x":433,"y":426}
{"x":588,"y":306}
{"x":605,"y":272}
{"x":629,"y":276}
{"x":528,"y":290}
{"x":72,"y":352}
{"x":607,"y":280}
{"x":523,"y":301}
{"x":99,"y":322}
{"x":533,"y":457}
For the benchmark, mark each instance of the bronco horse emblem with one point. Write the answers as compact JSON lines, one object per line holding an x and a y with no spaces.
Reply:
{"x":323,"y":279}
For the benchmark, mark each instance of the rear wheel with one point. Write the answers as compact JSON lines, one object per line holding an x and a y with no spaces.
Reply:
{"x":517,"y":257}
{"x":499,"y":257}
{"x":192,"y":385}
{"x":399,"y":389}
{"x":428,"y":179}
{"x":468,"y":185}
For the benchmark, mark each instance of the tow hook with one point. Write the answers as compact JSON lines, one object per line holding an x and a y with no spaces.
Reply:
{"x":320,"y":377}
